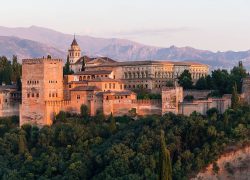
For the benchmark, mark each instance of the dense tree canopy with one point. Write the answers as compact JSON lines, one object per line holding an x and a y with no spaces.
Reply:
{"x":10,"y":71}
{"x":222,"y":81}
{"x":185,"y":80}
{"x":118,"y":148}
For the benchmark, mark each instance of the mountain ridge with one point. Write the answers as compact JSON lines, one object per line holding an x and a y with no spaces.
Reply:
{"x":121,"y":49}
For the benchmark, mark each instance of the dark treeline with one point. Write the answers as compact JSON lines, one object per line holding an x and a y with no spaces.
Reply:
{"x":83,"y":147}
{"x":221,"y":81}
{"x":10,"y":71}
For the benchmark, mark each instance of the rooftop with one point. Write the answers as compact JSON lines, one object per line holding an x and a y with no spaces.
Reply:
{"x":93,"y":72}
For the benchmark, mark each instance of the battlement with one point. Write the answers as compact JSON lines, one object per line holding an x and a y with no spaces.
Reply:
{"x":39,"y":60}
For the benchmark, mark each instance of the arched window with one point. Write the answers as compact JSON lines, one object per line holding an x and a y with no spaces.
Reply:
{"x":80,"y":78}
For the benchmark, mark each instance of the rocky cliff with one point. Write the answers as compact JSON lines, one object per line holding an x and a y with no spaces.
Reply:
{"x":234,"y":164}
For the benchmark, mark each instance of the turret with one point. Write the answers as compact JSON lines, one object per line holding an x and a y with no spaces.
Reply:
{"x":74,"y":52}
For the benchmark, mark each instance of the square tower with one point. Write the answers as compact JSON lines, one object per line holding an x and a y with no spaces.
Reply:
{"x":42,"y":80}
{"x":246,"y":89}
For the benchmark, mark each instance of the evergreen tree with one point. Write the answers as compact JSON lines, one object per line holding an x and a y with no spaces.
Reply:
{"x":22,"y":143}
{"x":112,"y":125}
{"x":164,"y":160}
{"x":84,"y":111}
{"x":83,"y":64}
{"x":235,"y":97}
{"x":66,"y":68}
{"x":185,"y":80}
{"x":201,"y":84}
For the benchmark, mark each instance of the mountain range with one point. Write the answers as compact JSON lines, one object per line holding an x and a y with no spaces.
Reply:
{"x":37,"y":41}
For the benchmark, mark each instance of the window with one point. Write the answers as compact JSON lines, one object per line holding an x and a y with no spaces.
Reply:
{"x":69,"y":86}
{"x":33,"y":95}
{"x":121,"y":86}
{"x":37,"y":95}
{"x":113,"y":85}
{"x":28,"y":95}
{"x":49,"y":94}
{"x":109,"y":85}
{"x":78,"y":97}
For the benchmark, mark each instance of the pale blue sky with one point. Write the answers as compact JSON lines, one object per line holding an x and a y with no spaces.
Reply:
{"x":205,"y":24}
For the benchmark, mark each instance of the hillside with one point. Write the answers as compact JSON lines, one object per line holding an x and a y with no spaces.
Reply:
{"x":24,"y":48}
{"x":234,"y":164}
{"x":121,"y":49}
{"x":83,"y":147}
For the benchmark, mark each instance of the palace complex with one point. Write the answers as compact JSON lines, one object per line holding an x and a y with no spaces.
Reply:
{"x":152,"y":75}
{"x":104,"y":86}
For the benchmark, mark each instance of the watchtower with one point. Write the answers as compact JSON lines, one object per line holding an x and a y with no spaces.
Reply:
{"x":42,"y":80}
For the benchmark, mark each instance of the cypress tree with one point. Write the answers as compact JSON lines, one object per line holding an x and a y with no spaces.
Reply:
{"x":164,"y":160}
{"x":22,"y":143}
{"x":112,"y":125}
{"x":66,"y":68}
{"x":235,"y":97}
{"x":83,"y":64}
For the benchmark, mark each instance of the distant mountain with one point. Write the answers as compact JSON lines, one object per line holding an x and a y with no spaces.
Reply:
{"x":24,"y":48}
{"x":118,"y":49}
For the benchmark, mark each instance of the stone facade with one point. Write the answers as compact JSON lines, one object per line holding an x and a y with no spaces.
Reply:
{"x":151,"y":75}
{"x":45,"y":92}
{"x":42,"y":80}
{"x":246,"y":90}
{"x":202,"y":106}
{"x":9,"y":101}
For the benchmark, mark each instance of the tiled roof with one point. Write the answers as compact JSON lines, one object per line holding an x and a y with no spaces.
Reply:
{"x":93,"y":72}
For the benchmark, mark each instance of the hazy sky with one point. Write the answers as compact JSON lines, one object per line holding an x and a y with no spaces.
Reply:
{"x":205,"y":24}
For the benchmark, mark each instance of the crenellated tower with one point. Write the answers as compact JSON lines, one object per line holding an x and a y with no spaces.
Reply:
{"x":42,"y":80}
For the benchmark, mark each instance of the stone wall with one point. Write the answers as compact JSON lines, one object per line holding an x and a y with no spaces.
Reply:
{"x":42,"y":80}
{"x":202,"y":106}
{"x":246,"y":90}
{"x":147,"y":107}
{"x":171,"y":97}
{"x":197,"y":94}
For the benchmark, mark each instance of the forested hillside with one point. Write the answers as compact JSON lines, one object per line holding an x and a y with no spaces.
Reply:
{"x":82,"y":147}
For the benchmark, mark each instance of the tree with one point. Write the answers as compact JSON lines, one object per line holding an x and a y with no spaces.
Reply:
{"x":237,"y":74}
{"x":201,"y":84}
{"x":22,"y":143}
{"x":235,"y":97}
{"x":112,"y":124}
{"x":84,"y":111}
{"x":66,"y":68}
{"x":185,"y":80}
{"x":83,"y":64}
{"x":165,"y":166}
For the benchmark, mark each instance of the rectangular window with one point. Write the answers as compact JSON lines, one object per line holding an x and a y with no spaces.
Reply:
{"x":78,"y":97}
{"x":37,"y":95}
{"x":28,"y":95}
{"x":113,"y":85}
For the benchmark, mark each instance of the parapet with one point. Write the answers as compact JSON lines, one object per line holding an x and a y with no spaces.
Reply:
{"x":39,"y":60}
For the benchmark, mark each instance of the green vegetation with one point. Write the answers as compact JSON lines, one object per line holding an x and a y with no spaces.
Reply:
{"x":222,"y":82}
{"x":10,"y":71}
{"x":185,"y":80}
{"x":66,"y":68}
{"x":119,"y":148}
{"x":144,"y":94}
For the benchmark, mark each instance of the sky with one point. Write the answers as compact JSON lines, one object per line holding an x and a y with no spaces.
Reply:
{"x":216,"y":25}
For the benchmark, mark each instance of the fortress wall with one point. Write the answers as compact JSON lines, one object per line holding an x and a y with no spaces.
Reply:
{"x":10,"y":110}
{"x":197,"y":94}
{"x":147,"y":107}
